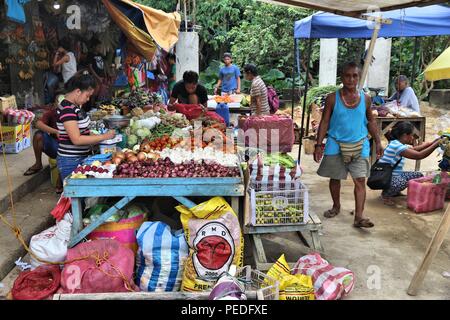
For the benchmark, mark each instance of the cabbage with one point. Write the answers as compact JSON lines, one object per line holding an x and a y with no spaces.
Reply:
{"x":135,"y":210}
{"x":143,"y":132}
{"x":114,"y":218}
{"x":132,"y":140}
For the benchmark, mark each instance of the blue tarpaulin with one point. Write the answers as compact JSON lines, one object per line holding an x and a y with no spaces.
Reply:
{"x":410,"y":22}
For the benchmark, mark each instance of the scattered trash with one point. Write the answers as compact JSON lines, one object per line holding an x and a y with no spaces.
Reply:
{"x":2,"y":285}
{"x":446,"y":274}
{"x":22,"y":265}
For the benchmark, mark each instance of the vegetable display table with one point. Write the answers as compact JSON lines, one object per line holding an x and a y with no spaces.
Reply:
{"x":130,"y":188}
{"x":384,"y":124}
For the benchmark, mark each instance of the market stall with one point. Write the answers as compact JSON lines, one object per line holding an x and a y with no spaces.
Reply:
{"x":409,"y":22}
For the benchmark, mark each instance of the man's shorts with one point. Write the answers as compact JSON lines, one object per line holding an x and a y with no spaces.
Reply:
{"x":50,"y":145}
{"x":333,"y":167}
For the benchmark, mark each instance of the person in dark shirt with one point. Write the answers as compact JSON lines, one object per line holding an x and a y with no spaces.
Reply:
{"x":189,"y":91}
{"x":45,"y":140}
{"x":97,"y":68}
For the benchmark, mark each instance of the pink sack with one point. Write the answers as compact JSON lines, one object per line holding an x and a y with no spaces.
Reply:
{"x":330,"y":283}
{"x":425,"y":196}
{"x":107,"y":266}
{"x":271,"y":133}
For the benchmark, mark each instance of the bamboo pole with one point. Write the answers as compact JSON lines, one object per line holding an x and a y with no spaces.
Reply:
{"x":369,"y":55}
{"x":431,"y":252}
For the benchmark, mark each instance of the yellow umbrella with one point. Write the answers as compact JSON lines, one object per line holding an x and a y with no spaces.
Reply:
{"x":440,"y":68}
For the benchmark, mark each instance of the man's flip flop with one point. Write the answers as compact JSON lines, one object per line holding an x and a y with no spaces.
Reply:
{"x":31,"y":171}
{"x":331,"y":213}
{"x":364,"y":223}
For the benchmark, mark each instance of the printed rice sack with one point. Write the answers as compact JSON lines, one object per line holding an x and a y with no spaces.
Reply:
{"x":215,"y":242}
{"x":292,"y":287}
{"x":161,"y":258}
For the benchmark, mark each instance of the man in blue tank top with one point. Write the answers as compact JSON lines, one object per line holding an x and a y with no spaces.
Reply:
{"x":347,"y":119}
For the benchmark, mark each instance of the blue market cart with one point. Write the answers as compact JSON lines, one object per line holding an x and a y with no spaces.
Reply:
{"x":130,"y":188}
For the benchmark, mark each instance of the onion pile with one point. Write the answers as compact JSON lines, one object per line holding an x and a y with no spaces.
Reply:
{"x":164,"y":168}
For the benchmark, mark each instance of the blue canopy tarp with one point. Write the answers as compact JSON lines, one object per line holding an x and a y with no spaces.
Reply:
{"x":410,"y":22}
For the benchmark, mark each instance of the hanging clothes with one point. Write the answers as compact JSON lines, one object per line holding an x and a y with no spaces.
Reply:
{"x":16,"y":12}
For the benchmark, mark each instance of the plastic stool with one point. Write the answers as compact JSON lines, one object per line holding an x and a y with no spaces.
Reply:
{"x":54,"y":172}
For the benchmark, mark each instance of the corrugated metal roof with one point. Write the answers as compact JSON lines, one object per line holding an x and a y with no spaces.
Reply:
{"x":354,"y":8}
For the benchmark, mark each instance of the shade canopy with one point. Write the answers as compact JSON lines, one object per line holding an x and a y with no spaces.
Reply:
{"x":439,"y":69}
{"x":145,"y":27}
{"x":411,"y":22}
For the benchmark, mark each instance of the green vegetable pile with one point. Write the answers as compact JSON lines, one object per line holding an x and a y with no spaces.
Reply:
{"x":137,"y":99}
{"x":318,"y":95}
{"x":283,"y":159}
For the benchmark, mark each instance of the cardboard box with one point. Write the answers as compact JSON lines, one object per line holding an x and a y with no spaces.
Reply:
{"x":7,"y":102}
{"x":12,"y":139}
{"x":26,"y":136}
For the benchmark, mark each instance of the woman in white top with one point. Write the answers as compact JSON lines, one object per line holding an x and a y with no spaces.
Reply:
{"x":65,"y":60}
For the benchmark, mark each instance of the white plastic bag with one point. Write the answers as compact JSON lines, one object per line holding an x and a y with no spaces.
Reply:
{"x":51,"y":244}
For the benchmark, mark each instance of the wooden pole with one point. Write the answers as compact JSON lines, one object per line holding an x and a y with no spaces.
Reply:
{"x":413,"y":74}
{"x":304,"y":99}
{"x":185,"y":17}
{"x":431,"y":252}
{"x":369,"y":55}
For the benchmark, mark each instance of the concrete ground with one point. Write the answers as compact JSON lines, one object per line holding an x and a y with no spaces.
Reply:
{"x":390,"y":252}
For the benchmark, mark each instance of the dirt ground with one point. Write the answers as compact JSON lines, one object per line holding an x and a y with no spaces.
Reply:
{"x":384,"y":258}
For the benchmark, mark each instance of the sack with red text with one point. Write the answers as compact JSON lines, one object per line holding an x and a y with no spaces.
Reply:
{"x":215,"y":242}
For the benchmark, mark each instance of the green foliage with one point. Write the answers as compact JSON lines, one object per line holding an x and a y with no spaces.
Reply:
{"x":210,"y":76}
{"x":165,"y":5}
{"x":265,"y":37}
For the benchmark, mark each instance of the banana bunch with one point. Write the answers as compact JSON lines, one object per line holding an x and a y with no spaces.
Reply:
{"x":22,"y":53}
{"x":110,"y":109}
{"x":42,"y":54}
{"x":26,"y":75}
{"x":43,"y":65}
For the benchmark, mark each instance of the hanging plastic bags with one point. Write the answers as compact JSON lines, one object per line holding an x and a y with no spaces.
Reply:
{"x":161,"y":257}
{"x":215,"y":243}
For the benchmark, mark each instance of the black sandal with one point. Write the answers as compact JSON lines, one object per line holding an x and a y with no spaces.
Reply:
{"x":333,"y":212}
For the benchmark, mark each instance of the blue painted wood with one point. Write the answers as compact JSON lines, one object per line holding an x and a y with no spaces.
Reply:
{"x":154,"y":190}
{"x":185,"y":202}
{"x":151,"y":181}
{"x":119,"y":205}
{"x":77,"y":213}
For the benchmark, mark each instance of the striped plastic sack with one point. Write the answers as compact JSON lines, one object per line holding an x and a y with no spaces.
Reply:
{"x":330,"y":283}
{"x":161,"y":257}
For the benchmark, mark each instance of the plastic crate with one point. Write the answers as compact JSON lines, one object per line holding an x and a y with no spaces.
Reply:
{"x":279,"y":203}
{"x":267,"y":288}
